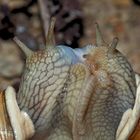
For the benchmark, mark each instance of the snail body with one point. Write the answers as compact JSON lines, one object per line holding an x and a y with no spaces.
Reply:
{"x":114,"y":93}
{"x":76,"y":94}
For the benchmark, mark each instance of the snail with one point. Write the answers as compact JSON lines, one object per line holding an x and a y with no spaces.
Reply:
{"x":76,"y":94}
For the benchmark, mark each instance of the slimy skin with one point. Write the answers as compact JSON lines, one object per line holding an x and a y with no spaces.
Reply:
{"x":113,"y":93}
{"x":50,"y":87}
{"x":76,"y":94}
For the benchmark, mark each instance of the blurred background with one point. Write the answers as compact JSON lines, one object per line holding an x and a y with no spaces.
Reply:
{"x":74,"y":27}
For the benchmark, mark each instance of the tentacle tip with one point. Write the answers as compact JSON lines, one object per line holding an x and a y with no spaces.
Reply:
{"x":15,"y":38}
{"x":17,"y":41}
{"x":53,"y":20}
{"x":116,"y":39}
{"x":115,"y":42}
{"x":99,"y":38}
{"x":23,"y":47}
{"x":96,"y":24}
{"x":50,"y":37}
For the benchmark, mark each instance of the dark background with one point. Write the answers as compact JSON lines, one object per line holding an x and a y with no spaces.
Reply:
{"x":74,"y":27}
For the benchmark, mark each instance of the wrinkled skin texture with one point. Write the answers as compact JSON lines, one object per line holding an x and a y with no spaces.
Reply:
{"x":71,"y":98}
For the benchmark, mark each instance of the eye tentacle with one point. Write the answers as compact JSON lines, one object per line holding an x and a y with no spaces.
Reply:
{"x":23,"y":47}
{"x":50,"y":37}
{"x":99,"y":38}
{"x":114,"y":42}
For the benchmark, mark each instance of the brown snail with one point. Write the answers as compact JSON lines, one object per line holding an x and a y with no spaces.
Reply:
{"x":76,"y":94}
